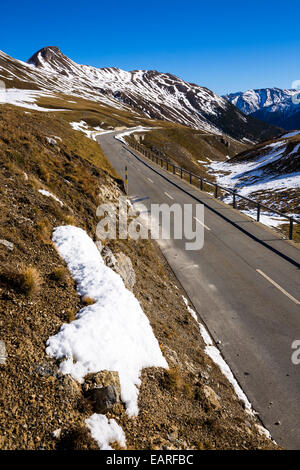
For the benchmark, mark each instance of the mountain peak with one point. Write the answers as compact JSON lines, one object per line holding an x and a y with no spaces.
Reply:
{"x":46,"y":54}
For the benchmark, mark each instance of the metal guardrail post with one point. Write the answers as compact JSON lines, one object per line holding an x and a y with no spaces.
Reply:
{"x":234,"y":199}
{"x":216,"y":191}
{"x":190,"y":178}
{"x":167,"y":166}
{"x":258,"y":212}
{"x":291,"y":228}
{"x":181,"y":173}
{"x":201,"y":184}
{"x":126,"y":179}
{"x":174,"y":170}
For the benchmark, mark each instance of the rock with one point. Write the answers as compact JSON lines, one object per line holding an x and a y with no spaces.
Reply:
{"x":211,"y":397}
{"x":70,"y":386}
{"x":125,"y":269}
{"x":102,"y":399}
{"x":2,"y":353}
{"x":120,"y":263}
{"x":173,"y":434}
{"x":7,"y":244}
{"x":56,"y":434}
{"x":171,"y":355}
{"x":104,"y":378}
{"x":99,"y":246}
{"x":46,"y":369}
{"x":51,"y":141}
{"x":109,"y":258}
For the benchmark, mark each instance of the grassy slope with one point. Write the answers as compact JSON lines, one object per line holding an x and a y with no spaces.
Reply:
{"x":34,"y":403}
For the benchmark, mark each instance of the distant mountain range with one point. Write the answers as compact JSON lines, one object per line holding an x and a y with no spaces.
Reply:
{"x":146,"y":92}
{"x":271,"y":105}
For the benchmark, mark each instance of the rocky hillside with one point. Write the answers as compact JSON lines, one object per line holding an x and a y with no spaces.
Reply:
{"x":271,"y":105}
{"x":149,"y":93}
{"x":54,"y":176}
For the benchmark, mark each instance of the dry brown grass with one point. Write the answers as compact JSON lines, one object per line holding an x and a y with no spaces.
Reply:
{"x":69,"y":220}
{"x":26,"y":280}
{"x":174,"y":380}
{"x":60,"y":275}
{"x":71,"y":315}
{"x":44,"y":229}
{"x":78,"y":438}
{"x":86,"y":300}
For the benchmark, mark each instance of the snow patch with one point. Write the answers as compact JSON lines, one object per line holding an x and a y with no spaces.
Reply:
{"x":91,"y":134}
{"x":105,"y":431}
{"x":121,"y":136}
{"x":47,"y":194}
{"x":112,"y":334}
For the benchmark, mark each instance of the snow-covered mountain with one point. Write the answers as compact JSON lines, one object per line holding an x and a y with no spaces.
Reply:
{"x":150,"y":93}
{"x":271,"y":105}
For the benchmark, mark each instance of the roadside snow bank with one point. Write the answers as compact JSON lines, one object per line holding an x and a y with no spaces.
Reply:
{"x":105,"y":431}
{"x":215,"y":355}
{"x":132,"y":130}
{"x":82,"y":126}
{"x":112,"y":334}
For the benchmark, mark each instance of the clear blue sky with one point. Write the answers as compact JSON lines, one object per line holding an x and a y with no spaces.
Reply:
{"x":224,"y":45}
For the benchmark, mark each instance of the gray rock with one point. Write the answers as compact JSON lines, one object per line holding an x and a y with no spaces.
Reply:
{"x":46,"y":370}
{"x":126,"y":270}
{"x":102,"y":399}
{"x":7,"y":244}
{"x":211,"y":397}
{"x":99,"y":246}
{"x":109,"y":258}
{"x":2,"y":353}
{"x":101,"y":379}
{"x":51,"y":141}
{"x":56,"y":434}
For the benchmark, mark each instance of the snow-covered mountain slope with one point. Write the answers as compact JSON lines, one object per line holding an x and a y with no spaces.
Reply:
{"x":150,"y":93}
{"x":271,"y":105}
{"x":269,"y":172}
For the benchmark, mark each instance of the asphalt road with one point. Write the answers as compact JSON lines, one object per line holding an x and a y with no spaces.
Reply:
{"x":244,"y":284}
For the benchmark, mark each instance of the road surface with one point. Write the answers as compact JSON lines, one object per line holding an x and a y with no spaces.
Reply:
{"x":244,"y":284}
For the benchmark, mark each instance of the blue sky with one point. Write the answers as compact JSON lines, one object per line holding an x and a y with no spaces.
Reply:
{"x":225,"y":46}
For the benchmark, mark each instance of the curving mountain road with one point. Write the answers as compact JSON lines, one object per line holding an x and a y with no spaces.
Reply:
{"x":245,"y":286}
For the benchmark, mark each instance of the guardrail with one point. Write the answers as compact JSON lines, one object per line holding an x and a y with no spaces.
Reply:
{"x":177,"y":170}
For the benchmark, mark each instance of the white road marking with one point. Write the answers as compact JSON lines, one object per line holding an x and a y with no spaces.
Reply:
{"x":278,"y":287}
{"x":201,"y":223}
{"x":169,"y":195}
{"x":149,"y":179}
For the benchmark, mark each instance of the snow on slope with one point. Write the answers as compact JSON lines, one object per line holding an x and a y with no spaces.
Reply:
{"x":112,"y":334}
{"x":105,"y":431}
{"x":26,"y":99}
{"x":250,"y":175}
{"x":267,"y":170}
